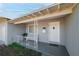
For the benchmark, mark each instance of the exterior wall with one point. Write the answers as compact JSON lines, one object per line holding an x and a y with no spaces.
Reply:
{"x":14,"y":31}
{"x":43,"y":37}
{"x":72,"y":32}
{"x":8,"y":32}
{"x":3,"y":32}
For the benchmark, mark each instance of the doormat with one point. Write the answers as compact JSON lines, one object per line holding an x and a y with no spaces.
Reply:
{"x":53,"y":44}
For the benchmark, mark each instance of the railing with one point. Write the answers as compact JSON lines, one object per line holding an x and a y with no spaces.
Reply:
{"x":27,"y":42}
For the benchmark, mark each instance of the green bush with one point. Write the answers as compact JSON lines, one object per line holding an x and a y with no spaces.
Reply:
{"x":22,"y":51}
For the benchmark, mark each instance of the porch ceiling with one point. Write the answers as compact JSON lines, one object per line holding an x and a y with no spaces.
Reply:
{"x":58,"y":10}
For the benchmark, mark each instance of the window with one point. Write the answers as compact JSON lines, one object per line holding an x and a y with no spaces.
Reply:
{"x":31,"y":28}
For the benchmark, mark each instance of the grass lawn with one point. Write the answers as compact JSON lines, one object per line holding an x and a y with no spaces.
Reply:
{"x":22,"y":51}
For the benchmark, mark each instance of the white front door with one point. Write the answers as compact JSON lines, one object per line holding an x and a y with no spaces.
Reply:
{"x":54,"y":32}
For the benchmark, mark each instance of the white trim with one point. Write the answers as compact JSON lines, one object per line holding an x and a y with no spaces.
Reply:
{"x":58,"y":34}
{"x":28,"y":28}
{"x":55,"y":15}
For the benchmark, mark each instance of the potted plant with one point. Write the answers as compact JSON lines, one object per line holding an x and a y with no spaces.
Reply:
{"x":24,"y":39}
{"x":24,"y":34}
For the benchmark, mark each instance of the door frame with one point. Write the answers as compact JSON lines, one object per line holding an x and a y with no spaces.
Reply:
{"x":49,"y":33}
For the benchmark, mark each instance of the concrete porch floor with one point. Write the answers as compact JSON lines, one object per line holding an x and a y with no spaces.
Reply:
{"x":52,"y":50}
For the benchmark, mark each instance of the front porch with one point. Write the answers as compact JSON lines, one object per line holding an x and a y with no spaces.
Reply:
{"x":42,"y":43}
{"x":45,"y":30}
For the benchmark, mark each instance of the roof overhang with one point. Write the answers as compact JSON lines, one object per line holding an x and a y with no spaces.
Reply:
{"x":58,"y":12}
{"x":2,"y":19}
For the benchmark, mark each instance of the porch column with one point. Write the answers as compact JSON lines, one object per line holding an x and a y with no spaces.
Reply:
{"x":36,"y":34}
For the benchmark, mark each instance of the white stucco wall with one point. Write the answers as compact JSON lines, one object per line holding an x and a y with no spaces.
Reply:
{"x":14,"y":31}
{"x":72,"y":32}
{"x":43,"y":37}
{"x":3,"y":32}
